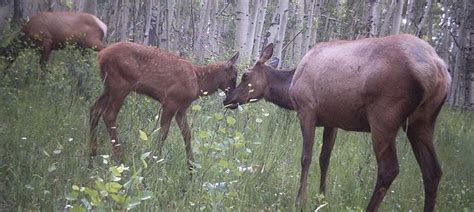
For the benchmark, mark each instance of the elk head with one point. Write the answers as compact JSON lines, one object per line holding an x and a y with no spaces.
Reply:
{"x":228,"y":77}
{"x":254,"y":82}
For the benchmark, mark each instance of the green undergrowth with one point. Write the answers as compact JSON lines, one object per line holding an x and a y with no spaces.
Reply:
{"x":247,"y":159}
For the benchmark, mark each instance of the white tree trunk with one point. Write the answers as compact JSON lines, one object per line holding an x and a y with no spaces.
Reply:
{"x":124,"y":20}
{"x":309,"y":29}
{"x":421,"y":25}
{"x":276,"y":33}
{"x":256,"y":4}
{"x":397,"y":18}
{"x":409,"y":15}
{"x":314,"y":32}
{"x":386,"y":22}
{"x":149,"y":7}
{"x":300,"y":25}
{"x":259,"y":29}
{"x":242,"y":16}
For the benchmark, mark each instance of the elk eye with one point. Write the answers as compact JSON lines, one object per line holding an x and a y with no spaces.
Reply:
{"x":244,"y":76}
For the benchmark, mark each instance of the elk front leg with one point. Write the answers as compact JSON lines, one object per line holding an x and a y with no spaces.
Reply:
{"x":308,"y":125}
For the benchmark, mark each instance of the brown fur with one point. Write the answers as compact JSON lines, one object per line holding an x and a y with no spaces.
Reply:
{"x":51,"y":30}
{"x":171,"y":80}
{"x":371,"y":85}
{"x":374,"y":85}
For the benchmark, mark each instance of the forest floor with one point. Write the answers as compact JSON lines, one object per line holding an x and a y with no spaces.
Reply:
{"x":247,"y":159}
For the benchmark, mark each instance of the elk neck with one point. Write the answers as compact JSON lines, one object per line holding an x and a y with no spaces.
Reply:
{"x":209,"y":78}
{"x":278,"y":89}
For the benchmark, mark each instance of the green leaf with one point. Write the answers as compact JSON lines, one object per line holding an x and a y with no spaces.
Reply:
{"x":218,"y":116}
{"x":146,"y":195}
{"x":72,"y":196}
{"x":145,"y":155}
{"x":52,"y":167}
{"x":78,"y":208}
{"x":115,"y":171}
{"x":75,"y":187}
{"x":223,"y":164}
{"x":196,"y":107}
{"x":93,"y":194}
{"x":132,"y":202}
{"x":120,"y":199}
{"x":230,"y":120}
{"x":143,"y":135}
{"x":203,"y":134}
{"x":113,"y":187}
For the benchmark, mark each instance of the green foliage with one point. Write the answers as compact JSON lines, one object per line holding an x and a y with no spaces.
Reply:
{"x":247,"y":159}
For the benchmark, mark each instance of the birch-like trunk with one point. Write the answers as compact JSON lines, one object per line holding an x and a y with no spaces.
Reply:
{"x":256,"y":4}
{"x":242,"y":26}
{"x":384,"y":30}
{"x":397,"y":18}
{"x":420,"y":28}
{"x":309,"y":29}
{"x":300,"y":26}
{"x":276,"y":32}
{"x":409,"y":16}
{"x":149,"y":7}
{"x":314,"y":32}
{"x":259,"y":29}
{"x":124,"y":19}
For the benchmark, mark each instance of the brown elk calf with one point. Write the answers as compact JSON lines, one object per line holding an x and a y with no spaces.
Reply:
{"x":373,"y":85}
{"x":51,"y":30}
{"x":170,"y":80}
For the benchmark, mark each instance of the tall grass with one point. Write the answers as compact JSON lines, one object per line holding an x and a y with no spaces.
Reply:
{"x":45,"y":153}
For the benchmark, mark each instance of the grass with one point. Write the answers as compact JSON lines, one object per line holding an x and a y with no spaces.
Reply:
{"x":44,"y":162}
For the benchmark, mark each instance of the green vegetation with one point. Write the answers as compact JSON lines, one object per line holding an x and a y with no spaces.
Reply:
{"x":44,"y":154}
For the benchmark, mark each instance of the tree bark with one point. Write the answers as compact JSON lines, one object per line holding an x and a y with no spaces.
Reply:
{"x":409,"y":16}
{"x":297,"y":54}
{"x":256,"y":4}
{"x":125,"y":7}
{"x":397,"y":18}
{"x":386,"y":22}
{"x":242,"y":26}
{"x":421,"y":24}
{"x":309,"y":29}
{"x":259,"y":29}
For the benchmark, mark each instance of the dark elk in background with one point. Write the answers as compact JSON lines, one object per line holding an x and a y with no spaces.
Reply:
{"x":167,"y":78}
{"x":52,"y":30}
{"x":374,"y":85}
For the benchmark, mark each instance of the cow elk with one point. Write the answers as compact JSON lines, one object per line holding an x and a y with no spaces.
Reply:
{"x":52,"y":30}
{"x":169,"y":79}
{"x":374,"y":85}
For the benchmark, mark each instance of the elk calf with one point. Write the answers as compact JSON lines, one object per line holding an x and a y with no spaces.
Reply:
{"x":170,"y":80}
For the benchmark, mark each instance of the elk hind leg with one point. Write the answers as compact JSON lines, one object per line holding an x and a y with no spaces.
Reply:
{"x":387,"y":163}
{"x":186,"y":133}
{"x":96,"y":111}
{"x":114,"y":104}
{"x":329,"y":137}
{"x":420,"y":135}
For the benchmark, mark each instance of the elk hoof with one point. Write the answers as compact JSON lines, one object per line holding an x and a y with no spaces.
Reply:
{"x":117,"y":152}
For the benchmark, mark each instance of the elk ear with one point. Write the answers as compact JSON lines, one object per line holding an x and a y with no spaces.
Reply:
{"x":232,"y":60}
{"x":274,"y":62}
{"x":266,"y":53}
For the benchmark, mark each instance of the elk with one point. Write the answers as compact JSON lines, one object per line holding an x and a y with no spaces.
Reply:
{"x":264,"y":81}
{"x":167,"y":78}
{"x":51,"y":30}
{"x":374,"y":85}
